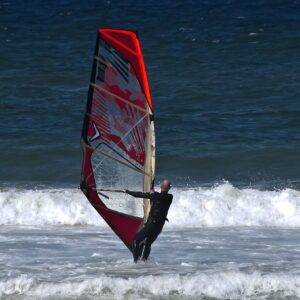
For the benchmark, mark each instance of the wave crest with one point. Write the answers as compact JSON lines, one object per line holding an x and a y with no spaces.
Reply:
{"x":223,"y":205}
{"x":225,"y":284}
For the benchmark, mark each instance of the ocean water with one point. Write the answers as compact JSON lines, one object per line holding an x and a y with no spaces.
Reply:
{"x":221,"y":243}
{"x":225,"y":80}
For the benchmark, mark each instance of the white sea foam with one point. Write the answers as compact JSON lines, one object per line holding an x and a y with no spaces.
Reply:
{"x":225,"y":284}
{"x":46,"y":207}
{"x":223,"y":205}
{"x":226,"y":205}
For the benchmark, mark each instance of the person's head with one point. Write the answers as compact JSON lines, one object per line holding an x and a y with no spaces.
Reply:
{"x":165,"y":185}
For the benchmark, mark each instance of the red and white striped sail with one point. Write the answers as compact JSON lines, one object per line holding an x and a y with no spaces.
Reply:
{"x":118,"y":132}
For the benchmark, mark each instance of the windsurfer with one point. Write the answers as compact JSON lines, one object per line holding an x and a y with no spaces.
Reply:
{"x":160,"y":204}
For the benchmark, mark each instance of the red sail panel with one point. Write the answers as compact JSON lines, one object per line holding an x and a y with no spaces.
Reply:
{"x":125,"y":226}
{"x":129,"y":45}
{"x":115,"y":129}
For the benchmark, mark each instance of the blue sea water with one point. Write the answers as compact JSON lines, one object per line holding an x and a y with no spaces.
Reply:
{"x":224,"y":77}
{"x":225,"y":81}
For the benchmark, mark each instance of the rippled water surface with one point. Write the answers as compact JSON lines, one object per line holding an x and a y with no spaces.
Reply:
{"x":201,"y":264}
{"x":224,"y":79}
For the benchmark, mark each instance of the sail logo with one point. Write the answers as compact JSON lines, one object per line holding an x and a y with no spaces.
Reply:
{"x":96,"y":135}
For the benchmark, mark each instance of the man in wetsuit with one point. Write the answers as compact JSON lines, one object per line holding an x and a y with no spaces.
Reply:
{"x":160,"y":203}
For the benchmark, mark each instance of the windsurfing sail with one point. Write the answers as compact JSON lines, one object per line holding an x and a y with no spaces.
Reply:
{"x":118,"y":139}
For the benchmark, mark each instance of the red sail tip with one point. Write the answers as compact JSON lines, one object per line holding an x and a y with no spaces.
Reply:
{"x":127,"y":43}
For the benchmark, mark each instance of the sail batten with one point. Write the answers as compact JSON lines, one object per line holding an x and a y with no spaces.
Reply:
{"x":118,"y":133}
{"x":117,"y":96}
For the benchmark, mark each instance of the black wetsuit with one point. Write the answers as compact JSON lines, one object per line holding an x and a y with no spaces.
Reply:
{"x":160,"y":203}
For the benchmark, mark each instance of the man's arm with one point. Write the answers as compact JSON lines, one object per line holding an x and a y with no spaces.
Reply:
{"x":138,"y":194}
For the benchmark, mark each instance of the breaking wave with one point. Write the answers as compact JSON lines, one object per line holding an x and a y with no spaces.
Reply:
{"x":220,"y":285}
{"x":222,"y":205}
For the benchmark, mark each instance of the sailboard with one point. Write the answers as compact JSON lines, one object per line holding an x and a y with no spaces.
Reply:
{"x":118,"y":139}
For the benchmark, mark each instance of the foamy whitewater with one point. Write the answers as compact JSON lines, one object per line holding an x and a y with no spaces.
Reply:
{"x":222,"y":205}
{"x":221,"y":242}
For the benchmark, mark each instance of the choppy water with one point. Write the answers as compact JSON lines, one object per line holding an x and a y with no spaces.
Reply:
{"x":225,"y":79}
{"x":87,"y":262}
{"x":221,"y":242}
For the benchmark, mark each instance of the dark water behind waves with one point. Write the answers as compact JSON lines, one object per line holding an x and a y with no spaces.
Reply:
{"x":225,"y":78}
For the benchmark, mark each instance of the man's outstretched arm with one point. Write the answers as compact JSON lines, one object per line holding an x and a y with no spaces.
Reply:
{"x":138,"y":194}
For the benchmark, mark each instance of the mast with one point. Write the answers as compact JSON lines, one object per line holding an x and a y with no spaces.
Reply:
{"x":149,"y":164}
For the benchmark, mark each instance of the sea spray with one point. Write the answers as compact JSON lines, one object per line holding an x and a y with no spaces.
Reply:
{"x":222,"y":205}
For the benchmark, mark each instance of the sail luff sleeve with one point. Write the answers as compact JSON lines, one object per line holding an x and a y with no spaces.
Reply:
{"x":90,"y":93}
